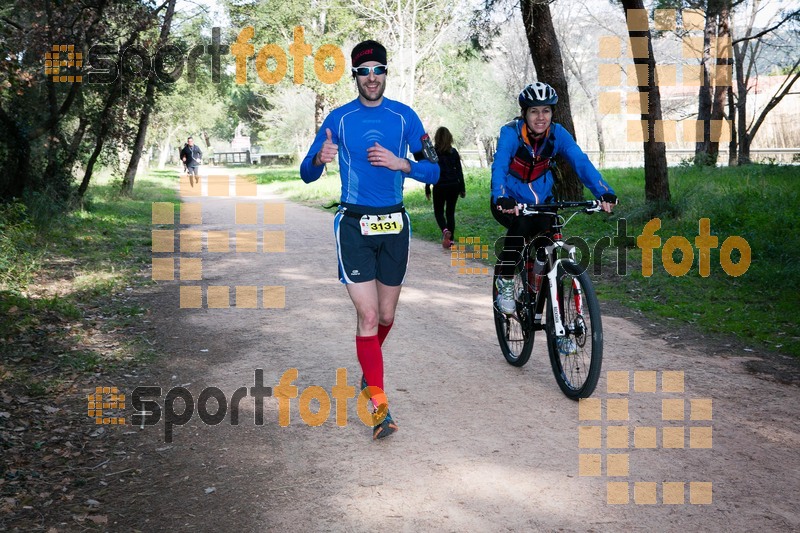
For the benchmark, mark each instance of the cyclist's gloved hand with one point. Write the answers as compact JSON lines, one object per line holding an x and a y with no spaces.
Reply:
{"x":608,"y":197}
{"x":505,"y":202}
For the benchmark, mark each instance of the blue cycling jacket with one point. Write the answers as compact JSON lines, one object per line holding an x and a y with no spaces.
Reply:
{"x":537,"y":191}
{"x":356,"y":127}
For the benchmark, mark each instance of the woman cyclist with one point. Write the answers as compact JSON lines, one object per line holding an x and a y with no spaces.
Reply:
{"x":521,"y":173}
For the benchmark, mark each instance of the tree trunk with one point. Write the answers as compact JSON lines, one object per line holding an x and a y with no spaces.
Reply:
{"x":104,"y":124}
{"x":784,"y":89}
{"x":601,"y":141}
{"x":598,"y":118}
{"x":546,"y":55}
{"x":16,"y":168}
{"x":479,"y":143}
{"x":319,"y":111}
{"x":743,"y":157}
{"x":102,"y":133}
{"x":149,"y":102}
{"x":138,"y":144}
{"x":732,"y":145}
{"x":656,"y":179}
{"x":165,"y":150}
{"x":742,"y":47}
{"x":49,"y":179}
{"x":75,"y":143}
{"x":703,"y":146}
{"x":488,"y":150}
{"x":724,"y":59}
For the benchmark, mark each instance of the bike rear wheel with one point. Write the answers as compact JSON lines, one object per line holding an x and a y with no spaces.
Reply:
{"x":515,"y":331}
{"x":576,"y":366}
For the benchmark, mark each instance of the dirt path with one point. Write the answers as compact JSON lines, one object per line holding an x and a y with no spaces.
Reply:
{"x":482,"y":446}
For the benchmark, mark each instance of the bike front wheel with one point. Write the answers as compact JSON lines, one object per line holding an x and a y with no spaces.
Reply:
{"x":514,"y":331}
{"x":577,"y":356}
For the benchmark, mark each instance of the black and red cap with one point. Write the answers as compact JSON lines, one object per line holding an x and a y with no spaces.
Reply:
{"x":368,"y":51}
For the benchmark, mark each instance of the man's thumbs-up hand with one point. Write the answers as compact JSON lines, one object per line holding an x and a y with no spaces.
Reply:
{"x":329,"y":150}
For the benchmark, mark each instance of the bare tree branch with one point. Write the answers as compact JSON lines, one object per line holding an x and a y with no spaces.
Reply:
{"x":793,"y":15}
{"x":782,"y":91}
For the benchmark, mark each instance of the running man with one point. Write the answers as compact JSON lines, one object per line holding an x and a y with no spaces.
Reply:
{"x":192,"y":156}
{"x":371,"y":136}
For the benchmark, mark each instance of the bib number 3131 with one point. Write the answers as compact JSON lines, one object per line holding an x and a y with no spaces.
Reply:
{"x":382,"y":224}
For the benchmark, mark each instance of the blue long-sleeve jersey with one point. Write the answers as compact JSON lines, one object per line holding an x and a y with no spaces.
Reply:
{"x":536,"y":192}
{"x":356,"y":127}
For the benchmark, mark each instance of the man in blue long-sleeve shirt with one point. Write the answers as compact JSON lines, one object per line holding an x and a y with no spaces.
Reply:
{"x":371,"y":136}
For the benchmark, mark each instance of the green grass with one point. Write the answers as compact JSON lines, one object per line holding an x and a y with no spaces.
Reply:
{"x":759,"y":203}
{"x":83,"y":260}
{"x":19,"y":253}
{"x":107,"y":245}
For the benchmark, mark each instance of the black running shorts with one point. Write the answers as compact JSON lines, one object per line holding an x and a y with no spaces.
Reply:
{"x":369,"y":257}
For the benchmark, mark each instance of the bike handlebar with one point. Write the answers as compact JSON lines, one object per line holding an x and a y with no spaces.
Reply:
{"x":589,"y":206}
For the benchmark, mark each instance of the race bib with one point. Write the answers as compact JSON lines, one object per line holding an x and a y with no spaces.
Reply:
{"x":382,"y":224}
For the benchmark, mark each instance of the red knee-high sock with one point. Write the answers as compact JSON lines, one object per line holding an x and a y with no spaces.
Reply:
{"x":383,"y":331}
{"x":368,"y":350}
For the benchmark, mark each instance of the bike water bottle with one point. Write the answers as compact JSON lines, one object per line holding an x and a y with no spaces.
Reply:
{"x":428,"y":149}
{"x":538,"y":269}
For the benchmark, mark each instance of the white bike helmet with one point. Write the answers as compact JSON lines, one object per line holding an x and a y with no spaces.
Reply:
{"x":537,"y":94}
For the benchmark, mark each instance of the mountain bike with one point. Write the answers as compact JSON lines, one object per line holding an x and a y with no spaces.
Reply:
{"x":561,"y":301}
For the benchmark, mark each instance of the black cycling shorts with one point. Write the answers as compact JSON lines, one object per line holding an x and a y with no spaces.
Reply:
{"x":368,"y":257}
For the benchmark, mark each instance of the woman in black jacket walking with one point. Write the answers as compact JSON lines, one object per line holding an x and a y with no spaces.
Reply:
{"x":449,"y":187}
